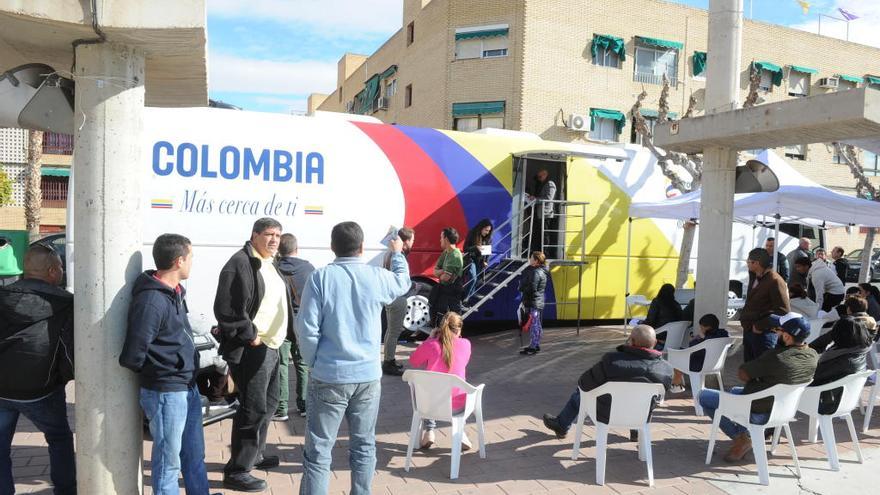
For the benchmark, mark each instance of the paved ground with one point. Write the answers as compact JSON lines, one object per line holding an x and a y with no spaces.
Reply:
{"x":522,"y":456}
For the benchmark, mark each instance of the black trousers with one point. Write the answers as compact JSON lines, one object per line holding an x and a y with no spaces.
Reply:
{"x":830,"y":301}
{"x":256,"y":378}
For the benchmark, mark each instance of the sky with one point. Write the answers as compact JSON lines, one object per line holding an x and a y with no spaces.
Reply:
{"x":269,"y":55}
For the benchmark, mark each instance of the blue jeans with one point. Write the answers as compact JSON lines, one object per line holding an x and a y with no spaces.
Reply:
{"x":756,"y":344}
{"x":178,"y":440}
{"x":49,"y":415}
{"x":710,"y":399}
{"x":472,"y":282}
{"x":327,"y":404}
{"x":569,"y":412}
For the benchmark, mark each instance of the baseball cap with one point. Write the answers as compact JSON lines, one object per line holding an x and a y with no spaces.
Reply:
{"x":793,"y":324}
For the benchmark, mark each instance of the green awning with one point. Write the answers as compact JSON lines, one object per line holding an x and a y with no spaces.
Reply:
{"x":486,"y":33}
{"x":55,"y":171}
{"x":872,"y":79}
{"x":653,"y":114}
{"x":600,"y":113}
{"x":605,"y":42}
{"x":388,"y":72}
{"x":852,"y":79}
{"x":477,"y":108}
{"x":369,"y":95}
{"x":699,"y":63}
{"x":771,"y":68}
{"x":673,"y":45}
{"x":803,"y":70}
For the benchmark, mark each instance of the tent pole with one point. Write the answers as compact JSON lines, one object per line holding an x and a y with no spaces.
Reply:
{"x":626,"y":310}
{"x":776,"y":245}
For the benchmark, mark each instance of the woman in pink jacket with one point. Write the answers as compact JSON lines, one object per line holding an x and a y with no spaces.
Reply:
{"x":445,"y":352}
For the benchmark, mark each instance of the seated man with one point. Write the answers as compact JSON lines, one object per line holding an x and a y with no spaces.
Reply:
{"x":634,"y":362}
{"x":709,"y":329}
{"x":791,"y":364}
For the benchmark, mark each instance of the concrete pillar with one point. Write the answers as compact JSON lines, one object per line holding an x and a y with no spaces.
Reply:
{"x":108,"y":117}
{"x":719,"y":164}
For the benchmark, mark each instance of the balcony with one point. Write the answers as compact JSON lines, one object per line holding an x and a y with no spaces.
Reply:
{"x":54,"y":192}
{"x":650,"y":78}
{"x":57,"y":144}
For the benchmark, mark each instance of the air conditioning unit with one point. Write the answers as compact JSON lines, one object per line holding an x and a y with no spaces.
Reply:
{"x":829,"y":82}
{"x":381,"y":103}
{"x":578,"y":122}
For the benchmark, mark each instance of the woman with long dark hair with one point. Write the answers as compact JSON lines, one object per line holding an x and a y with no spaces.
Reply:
{"x":663,"y":309}
{"x":872,"y":296}
{"x":474,"y":259}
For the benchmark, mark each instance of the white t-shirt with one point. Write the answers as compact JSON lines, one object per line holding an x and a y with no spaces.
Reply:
{"x":271,"y":318}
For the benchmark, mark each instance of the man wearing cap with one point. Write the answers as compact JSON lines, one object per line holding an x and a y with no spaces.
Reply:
{"x":767,"y":295}
{"x":792,"y":364}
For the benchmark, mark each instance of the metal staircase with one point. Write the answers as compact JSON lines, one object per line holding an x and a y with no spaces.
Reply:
{"x":508,"y":265}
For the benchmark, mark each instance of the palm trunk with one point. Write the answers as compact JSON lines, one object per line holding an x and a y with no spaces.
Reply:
{"x":865,"y":271}
{"x":684,"y":255}
{"x":33,"y":197}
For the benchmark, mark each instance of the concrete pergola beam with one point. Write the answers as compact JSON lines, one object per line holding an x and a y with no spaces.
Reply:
{"x":838,"y":116}
{"x":170,"y":33}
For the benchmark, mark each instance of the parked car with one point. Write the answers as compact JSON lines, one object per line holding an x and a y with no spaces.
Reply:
{"x":854,"y":262}
{"x":58,"y":243}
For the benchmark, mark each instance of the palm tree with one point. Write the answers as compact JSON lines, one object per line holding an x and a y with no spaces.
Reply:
{"x":33,"y":195}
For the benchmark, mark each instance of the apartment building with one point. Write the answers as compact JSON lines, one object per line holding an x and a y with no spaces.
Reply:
{"x":570,"y":70}
{"x":57,"y":158}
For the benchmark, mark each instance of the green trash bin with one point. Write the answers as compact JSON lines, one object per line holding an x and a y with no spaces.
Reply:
{"x":13,"y":245}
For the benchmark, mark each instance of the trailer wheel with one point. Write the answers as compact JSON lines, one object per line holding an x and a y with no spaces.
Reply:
{"x":418,"y":313}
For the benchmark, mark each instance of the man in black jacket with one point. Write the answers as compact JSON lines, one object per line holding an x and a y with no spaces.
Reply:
{"x":254,"y":311}
{"x":36,"y":361}
{"x":159,"y":347}
{"x":634,"y":362}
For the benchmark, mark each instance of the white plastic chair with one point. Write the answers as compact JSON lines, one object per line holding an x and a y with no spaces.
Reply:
{"x":868,"y":408}
{"x":431,"y":394}
{"x":713,"y":364}
{"x":676,"y":332}
{"x":738,"y":408}
{"x":849,"y":399}
{"x":630,"y":301}
{"x":630,"y":409}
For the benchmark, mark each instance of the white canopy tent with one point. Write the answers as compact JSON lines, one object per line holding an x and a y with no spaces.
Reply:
{"x":798,"y":200}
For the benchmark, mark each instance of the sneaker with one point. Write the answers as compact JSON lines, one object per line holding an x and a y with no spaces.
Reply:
{"x":465,"y":442}
{"x":528,"y":351}
{"x":391,"y":368}
{"x":676,"y":389}
{"x":427,"y":439}
{"x":279,"y":416}
{"x":268,"y":462}
{"x":552,"y":423}
{"x":244,"y":482}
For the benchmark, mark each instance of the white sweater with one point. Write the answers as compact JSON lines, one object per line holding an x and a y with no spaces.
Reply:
{"x":824,"y":280}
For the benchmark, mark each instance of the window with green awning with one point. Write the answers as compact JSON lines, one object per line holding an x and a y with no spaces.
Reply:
{"x":699,"y":63}
{"x":603,"y":42}
{"x":773,"y":69}
{"x":672,"y":45}
{"x":852,"y":79}
{"x":55,"y":171}
{"x":653,"y":114}
{"x":803,"y":70}
{"x":601,"y":113}
{"x":485,"y":33}
{"x":477,"y":108}
{"x":873,"y":80}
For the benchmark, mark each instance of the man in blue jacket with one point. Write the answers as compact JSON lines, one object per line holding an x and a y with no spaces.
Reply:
{"x":159,"y":347}
{"x":339,"y":332}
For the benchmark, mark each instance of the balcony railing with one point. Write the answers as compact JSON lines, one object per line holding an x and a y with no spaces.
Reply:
{"x":57,"y":144}
{"x":54,"y":192}
{"x":644,"y":77}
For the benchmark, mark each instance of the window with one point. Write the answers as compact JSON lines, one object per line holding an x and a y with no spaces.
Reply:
{"x":390,"y":88}
{"x":604,"y":130}
{"x":607,"y":58}
{"x":766,"y":84}
{"x":410,"y":33}
{"x":835,"y":157}
{"x":798,"y":84}
{"x":407,"y":96}
{"x":653,"y":63}
{"x":797,"y":151}
{"x":481,"y":42}
{"x":340,"y":94}
{"x":478,"y":115}
{"x":871,"y":164}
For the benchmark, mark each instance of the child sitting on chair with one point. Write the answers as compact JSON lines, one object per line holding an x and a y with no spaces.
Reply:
{"x":445,"y":352}
{"x":708,"y":330}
